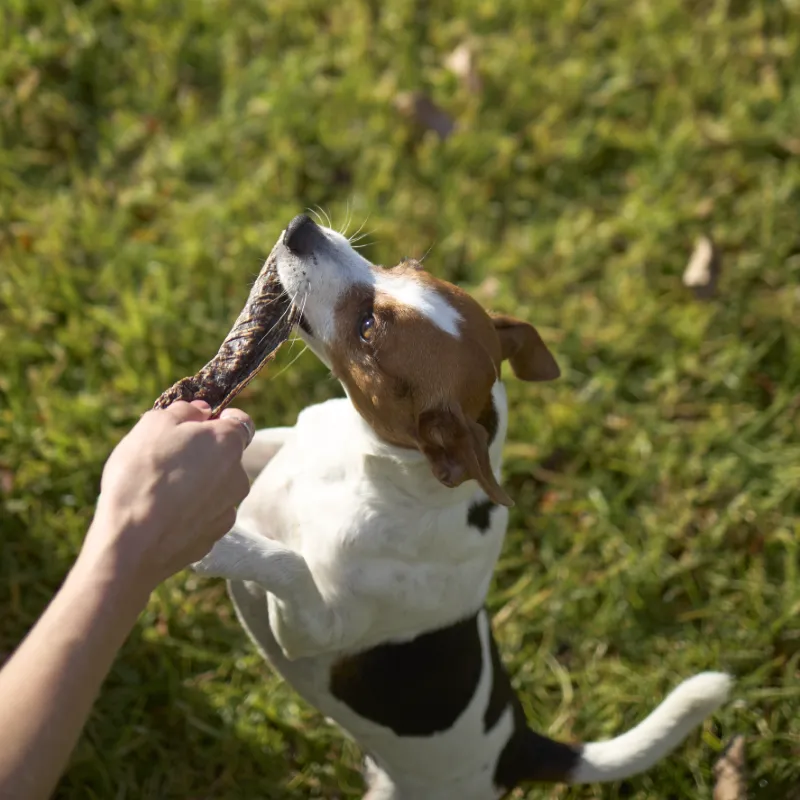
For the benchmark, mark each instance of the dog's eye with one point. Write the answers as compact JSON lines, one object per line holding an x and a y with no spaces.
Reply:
{"x":367,"y":329}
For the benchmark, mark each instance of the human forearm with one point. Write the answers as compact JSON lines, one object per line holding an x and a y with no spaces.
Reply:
{"x":168,"y":492}
{"x":48,"y":686}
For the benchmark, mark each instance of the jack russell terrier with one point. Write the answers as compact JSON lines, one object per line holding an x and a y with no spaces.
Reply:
{"x":360,"y":562}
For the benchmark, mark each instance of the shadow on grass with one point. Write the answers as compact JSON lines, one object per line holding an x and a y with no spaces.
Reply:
{"x":190,"y":711}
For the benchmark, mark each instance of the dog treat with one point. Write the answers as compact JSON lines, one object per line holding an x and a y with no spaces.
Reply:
{"x":263,"y":326}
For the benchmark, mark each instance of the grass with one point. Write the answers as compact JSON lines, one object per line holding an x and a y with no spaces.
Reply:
{"x":150,"y":153}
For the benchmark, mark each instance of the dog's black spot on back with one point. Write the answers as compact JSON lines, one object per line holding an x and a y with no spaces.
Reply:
{"x":489,"y":419}
{"x":479,"y":514}
{"x":527,"y":756}
{"x":416,"y":688}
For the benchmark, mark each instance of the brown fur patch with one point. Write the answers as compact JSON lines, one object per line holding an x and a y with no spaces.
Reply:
{"x":410,"y":367}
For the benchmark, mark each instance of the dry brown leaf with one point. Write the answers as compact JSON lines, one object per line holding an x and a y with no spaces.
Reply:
{"x":462,"y":63}
{"x":729,"y":772}
{"x":23,"y":235}
{"x":6,"y":480}
{"x":489,"y":288}
{"x":421,"y":109}
{"x":28,"y":85}
{"x":791,"y":145}
{"x":702,"y":271}
{"x":704,"y":208}
{"x":151,"y":124}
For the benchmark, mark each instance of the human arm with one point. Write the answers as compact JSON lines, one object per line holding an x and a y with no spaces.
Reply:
{"x":168,"y":492}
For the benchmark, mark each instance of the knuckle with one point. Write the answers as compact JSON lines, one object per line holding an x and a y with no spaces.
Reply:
{"x":152,"y":418}
{"x":203,"y":435}
{"x":178,"y":408}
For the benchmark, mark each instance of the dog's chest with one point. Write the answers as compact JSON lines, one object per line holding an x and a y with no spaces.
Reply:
{"x":370,"y":525}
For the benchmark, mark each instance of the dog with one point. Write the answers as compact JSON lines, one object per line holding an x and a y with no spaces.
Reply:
{"x":361,"y":559}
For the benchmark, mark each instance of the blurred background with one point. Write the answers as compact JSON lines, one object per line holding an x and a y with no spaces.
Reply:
{"x":563,"y":162}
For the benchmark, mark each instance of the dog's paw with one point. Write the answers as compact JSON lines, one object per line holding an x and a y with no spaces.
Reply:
{"x":235,"y":556}
{"x":206,"y":567}
{"x":223,"y":561}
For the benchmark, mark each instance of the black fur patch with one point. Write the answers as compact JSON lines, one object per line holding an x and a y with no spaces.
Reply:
{"x":531,"y":758}
{"x":305,"y":325}
{"x":489,"y":419}
{"x":416,"y":688}
{"x":527,"y":756}
{"x":479,"y":515}
{"x":502,"y":695}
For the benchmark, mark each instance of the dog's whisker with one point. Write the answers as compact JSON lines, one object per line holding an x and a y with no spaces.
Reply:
{"x":347,"y":218}
{"x":291,"y":362}
{"x":317,"y":216}
{"x":299,"y":316}
{"x":277,"y":322}
{"x":296,"y":337}
{"x":323,"y":217}
{"x":427,"y":252}
{"x":327,"y":216}
{"x":359,"y":238}
{"x":360,"y":227}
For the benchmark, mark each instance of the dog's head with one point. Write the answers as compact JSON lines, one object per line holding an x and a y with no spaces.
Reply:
{"x":417,"y":356}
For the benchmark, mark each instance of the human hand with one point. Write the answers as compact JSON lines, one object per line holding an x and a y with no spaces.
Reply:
{"x":168,"y":492}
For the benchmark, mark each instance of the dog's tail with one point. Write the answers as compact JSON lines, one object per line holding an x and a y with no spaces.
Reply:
{"x":632,"y":752}
{"x":657,"y":735}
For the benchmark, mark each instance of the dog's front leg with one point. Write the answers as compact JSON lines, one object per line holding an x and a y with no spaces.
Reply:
{"x":303,"y":623}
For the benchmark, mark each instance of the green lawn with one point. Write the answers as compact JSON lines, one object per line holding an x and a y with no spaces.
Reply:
{"x":150,"y":153}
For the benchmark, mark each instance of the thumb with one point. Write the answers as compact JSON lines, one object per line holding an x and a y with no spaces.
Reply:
{"x":240,"y":423}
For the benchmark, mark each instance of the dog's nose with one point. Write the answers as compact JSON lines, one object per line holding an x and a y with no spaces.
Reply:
{"x":300,"y":234}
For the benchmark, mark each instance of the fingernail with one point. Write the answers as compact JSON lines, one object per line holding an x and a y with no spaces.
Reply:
{"x":201,"y":404}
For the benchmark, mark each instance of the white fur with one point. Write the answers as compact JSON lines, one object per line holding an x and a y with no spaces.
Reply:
{"x":383,"y":540}
{"x":317,"y":282}
{"x":346,"y":542}
{"x":656,"y":736}
{"x":408,"y":291}
{"x":350,"y":542}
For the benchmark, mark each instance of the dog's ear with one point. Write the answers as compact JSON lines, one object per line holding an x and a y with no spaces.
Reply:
{"x":523,"y":347}
{"x":457,"y":449}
